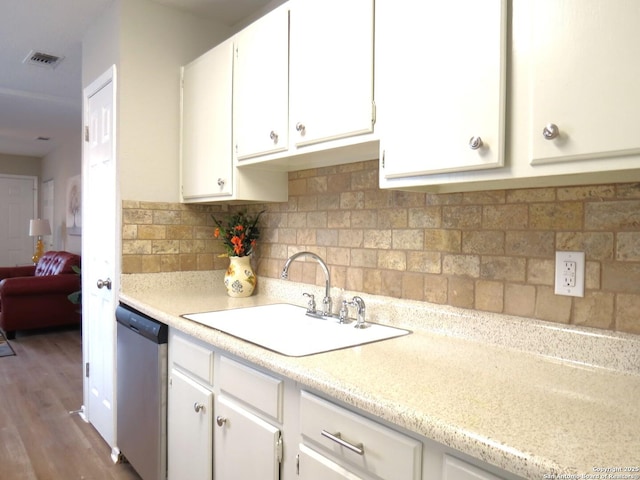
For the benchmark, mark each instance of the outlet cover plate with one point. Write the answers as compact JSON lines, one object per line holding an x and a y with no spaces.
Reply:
{"x":570,"y":267}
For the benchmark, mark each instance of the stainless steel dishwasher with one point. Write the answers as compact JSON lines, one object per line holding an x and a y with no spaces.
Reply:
{"x":142,"y":392}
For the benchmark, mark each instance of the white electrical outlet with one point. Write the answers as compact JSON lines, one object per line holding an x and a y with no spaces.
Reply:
{"x":570,"y":274}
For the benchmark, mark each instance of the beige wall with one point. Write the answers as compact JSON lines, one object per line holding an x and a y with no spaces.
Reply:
{"x":60,"y":165}
{"x":20,"y":165}
{"x":148,"y":43}
{"x":490,"y":251}
{"x":155,"y":42}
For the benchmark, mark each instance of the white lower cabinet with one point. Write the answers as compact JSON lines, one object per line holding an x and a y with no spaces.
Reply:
{"x":230,"y":420}
{"x":189,"y":409}
{"x":455,"y":469}
{"x":313,"y":465}
{"x":357,"y":444}
{"x":190,"y":428}
{"x":245,"y":446}
{"x":247,"y":438}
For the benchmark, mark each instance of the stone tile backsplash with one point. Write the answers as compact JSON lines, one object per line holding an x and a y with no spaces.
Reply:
{"x":491,"y":251}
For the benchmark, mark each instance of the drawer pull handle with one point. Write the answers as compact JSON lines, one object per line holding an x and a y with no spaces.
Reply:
{"x":337,"y":437}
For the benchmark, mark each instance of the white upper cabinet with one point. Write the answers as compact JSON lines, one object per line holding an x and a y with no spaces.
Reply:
{"x":584,"y":78}
{"x":206,"y":161}
{"x":331,"y":69}
{"x":208,"y":173}
{"x":261,"y":86}
{"x":440,"y":86}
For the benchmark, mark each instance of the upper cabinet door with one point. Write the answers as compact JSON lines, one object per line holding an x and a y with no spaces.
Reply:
{"x":440,"y":85}
{"x":206,"y":159}
{"x":261,"y":86}
{"x":584,"y":78}
{"x":331,"y":69}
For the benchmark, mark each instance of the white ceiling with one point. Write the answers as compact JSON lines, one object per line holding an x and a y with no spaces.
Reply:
{"x":37,"y":101}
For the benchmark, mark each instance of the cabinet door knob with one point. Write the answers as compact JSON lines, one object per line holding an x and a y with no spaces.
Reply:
{"x":220,"y":420}
{"x":273,"y":136}
{"x":104,"y":283}
{"x":475,"y":143}
{"x":301,"y":128}
{"x":221,"y":182}
{"x":550,"y":131}
{"x":198,"y":407}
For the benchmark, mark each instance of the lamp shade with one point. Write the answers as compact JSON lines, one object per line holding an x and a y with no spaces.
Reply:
{"x":38,"y":227}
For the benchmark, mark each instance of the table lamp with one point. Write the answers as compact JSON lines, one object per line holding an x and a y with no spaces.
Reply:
{"x":38,"y":228}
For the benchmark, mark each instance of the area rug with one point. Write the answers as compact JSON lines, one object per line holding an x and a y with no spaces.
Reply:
{"x":5,"y":347}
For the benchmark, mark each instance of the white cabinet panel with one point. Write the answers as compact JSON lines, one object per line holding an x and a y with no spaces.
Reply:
{"x":190,"y":429}
{"x":585,"y":73}
{"x":440,"y":86}
{"x":261,"y":86}
{"x":357,"y":442}
{"x":331,"y":69}
{"x":258,"y":390}
{"x":245,"y":445}
{"x":206,"y":161}
{"x":314,"y":466}
{"x":208,"y":173}
{"x":454,"y":469}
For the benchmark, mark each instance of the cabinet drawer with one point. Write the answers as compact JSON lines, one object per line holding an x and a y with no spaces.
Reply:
{"x":191,"y":356}
{"x":258,"y":390}
{"x":312,"y":465}
{"x":377,"y":449}
{"x":454,"y":469}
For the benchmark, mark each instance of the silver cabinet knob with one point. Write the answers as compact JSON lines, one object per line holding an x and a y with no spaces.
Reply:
{"x":301,"y":128}
{"x":221,"y":182}
{"x":550,"y":131}
{"x":475,"y":143}
{"x":104,"y":283}
{"x":198,"y":407}
{"x":273,"y":136}
{"x":220,"y":420}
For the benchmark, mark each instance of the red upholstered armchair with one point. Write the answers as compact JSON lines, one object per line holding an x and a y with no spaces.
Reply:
{"x":36,"y":296}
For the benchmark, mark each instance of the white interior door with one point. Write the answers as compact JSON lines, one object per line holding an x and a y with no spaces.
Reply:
{"x":17,"y":206}
{"x":100,"y":244}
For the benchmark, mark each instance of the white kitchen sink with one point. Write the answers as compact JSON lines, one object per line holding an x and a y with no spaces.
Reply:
{"x":287,"y":329}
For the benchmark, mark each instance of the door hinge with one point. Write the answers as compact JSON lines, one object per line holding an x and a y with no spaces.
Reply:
{"x":86,"y":133}
{"x":86,"y":369}
{"x":298,"y":464}
{"x":374,"y":113}
{"x":279,"y":447}
{"x":383,"y":158}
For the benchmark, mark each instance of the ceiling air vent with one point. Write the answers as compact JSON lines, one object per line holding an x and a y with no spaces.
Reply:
{"x":41,"y":59}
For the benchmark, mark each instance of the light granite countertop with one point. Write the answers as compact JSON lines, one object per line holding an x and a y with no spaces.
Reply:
{"x":538,"y":400}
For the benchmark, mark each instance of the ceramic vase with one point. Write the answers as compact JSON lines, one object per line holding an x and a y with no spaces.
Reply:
{"x":239,"y":278}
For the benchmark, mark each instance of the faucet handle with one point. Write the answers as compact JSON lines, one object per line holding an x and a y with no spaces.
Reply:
{"x":344,"y":312}
{"x":311,"y":305}
{"x":327,"y":306}
{"x":358,"y":302}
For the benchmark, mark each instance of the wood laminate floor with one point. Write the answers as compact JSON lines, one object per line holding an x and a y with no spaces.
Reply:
{"x":39,"y":438}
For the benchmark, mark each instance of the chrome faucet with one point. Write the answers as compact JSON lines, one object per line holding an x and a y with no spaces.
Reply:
{"x":326,"y":301}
